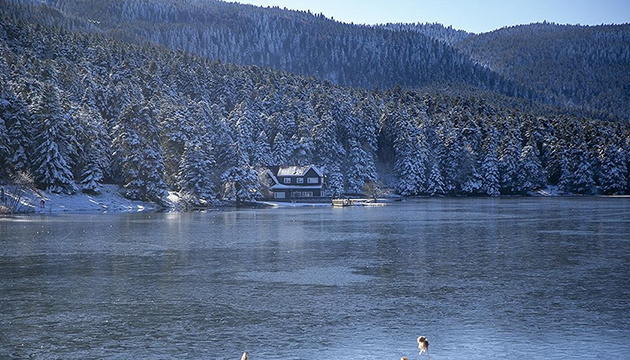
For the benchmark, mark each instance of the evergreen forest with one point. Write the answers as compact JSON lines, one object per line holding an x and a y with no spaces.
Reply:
{"x":198,"y":96}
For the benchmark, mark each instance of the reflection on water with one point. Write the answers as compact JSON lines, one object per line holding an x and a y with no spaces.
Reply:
{"x":482,"y":278}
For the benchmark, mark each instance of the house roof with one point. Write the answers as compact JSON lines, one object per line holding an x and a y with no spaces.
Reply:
{"x":297,"y":170}
{"x":275,"y":171}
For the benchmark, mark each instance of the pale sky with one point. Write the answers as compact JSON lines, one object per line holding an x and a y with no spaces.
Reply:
{"x":470,"y":15}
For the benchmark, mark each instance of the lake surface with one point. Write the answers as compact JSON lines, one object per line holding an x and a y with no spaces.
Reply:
{"x":514,"y":278}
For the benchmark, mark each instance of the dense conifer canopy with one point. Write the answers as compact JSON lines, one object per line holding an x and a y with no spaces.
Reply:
{"x":82,"y":104}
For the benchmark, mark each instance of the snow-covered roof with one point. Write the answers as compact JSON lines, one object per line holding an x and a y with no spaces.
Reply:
{"x":297,"y":170}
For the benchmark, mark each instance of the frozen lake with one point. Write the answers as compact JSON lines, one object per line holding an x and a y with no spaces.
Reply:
{"x":517,"y":278}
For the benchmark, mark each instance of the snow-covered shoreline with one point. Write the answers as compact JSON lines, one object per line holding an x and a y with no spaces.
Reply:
{"x":110,"y":200}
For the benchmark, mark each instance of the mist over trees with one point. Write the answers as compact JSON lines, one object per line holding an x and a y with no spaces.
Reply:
{"x":81,"y":108}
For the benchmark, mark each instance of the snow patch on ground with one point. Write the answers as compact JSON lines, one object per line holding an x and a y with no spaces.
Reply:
{"x":109,"y":200}
{"x":550,"y":190}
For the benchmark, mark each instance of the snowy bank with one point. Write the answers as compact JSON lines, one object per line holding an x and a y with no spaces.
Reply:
{"x":109,"y":200}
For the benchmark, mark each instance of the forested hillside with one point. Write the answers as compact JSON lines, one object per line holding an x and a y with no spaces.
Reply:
{"x":435,"y":31}
{"x":580,"y":67}
{"x":294,"y":41}
{"x":78,"y":110}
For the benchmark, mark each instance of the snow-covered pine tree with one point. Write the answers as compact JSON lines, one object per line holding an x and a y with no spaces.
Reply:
{"x":334,"y":179}
{"x":195,"y":172}
{"x":359,"y":168}
{"x":138,"y":152}
{"x":280,"y":150}
{"x":302,"y":149}
{"x":262,"y":155}
{"x":51,"y":162}
{"x":410,"y":148}
{"x":4,"y":132}
{"x":19,"y":132}
{"x":583,"y":182}
{"x":20,"y":139}
{"x":405,"y":166}
{"x":435,"y":179}
{"x":367,"y":125}
{"x":471,"y":160}
{"x":435,"y":182}
{"x":242,"y":121}
{"x":532,"y":175}
{"x":577,"y":176}
{"x":92,"y":177}
{"x":613,"y":171}
{"x":74,"y":147}
{"x":329,"y":153}
{"x":175,"y":130}
{"x":452,"y":160}
{"x":4,"y":149}
{"x":489,"y":164}
{"x":95,"y":159}
{"x":24,"y":84}
{"x":509,"y":154}
{"x":240,"y":182}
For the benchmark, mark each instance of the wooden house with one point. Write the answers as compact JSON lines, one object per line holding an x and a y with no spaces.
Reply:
{"x":293,"y":182}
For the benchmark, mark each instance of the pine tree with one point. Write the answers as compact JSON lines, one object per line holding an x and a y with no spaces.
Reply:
{"x":262,"y":155}
{"x":334,"y":180}
{"x":613,"y":172}
{"x":280,"y":150}
{"x":51,"y":160}
{"x":175,"y":131}
{"x":138,"y":152}
{"x":195,"y":172}
{"x":532,"y":175}
{"x":95,"y":159}
{"x":360,"y":168}
{"x":576,"y":174}
{"x":411,"y":157}
{"x":489,"y":165}
{"x":92,"y":177}
{"x":451,"y":162}
{"x":17,"y":133}
{"x":4,"y":150}
{"x":435,"y":181}
{"x":240,"y":182}
{"x":20,"y":143}
{"x":326,"y":147}
{"x":224,"y":144}
{"x":471,"y":160}
{"x":509,"y":153}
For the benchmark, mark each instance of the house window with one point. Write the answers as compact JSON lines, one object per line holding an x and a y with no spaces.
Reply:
{"x":307,"y":194}
{"x":296,"y":194}
{"x":312,"y":180}
{"x":300,"y":180}
{"x":279,"y":195}
{"x":287,"y":180}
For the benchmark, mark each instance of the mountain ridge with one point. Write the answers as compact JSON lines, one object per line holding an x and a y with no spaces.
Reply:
{"x":294,"y":41}
{"x":577,"y":66}
{"x":382,"y":56}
